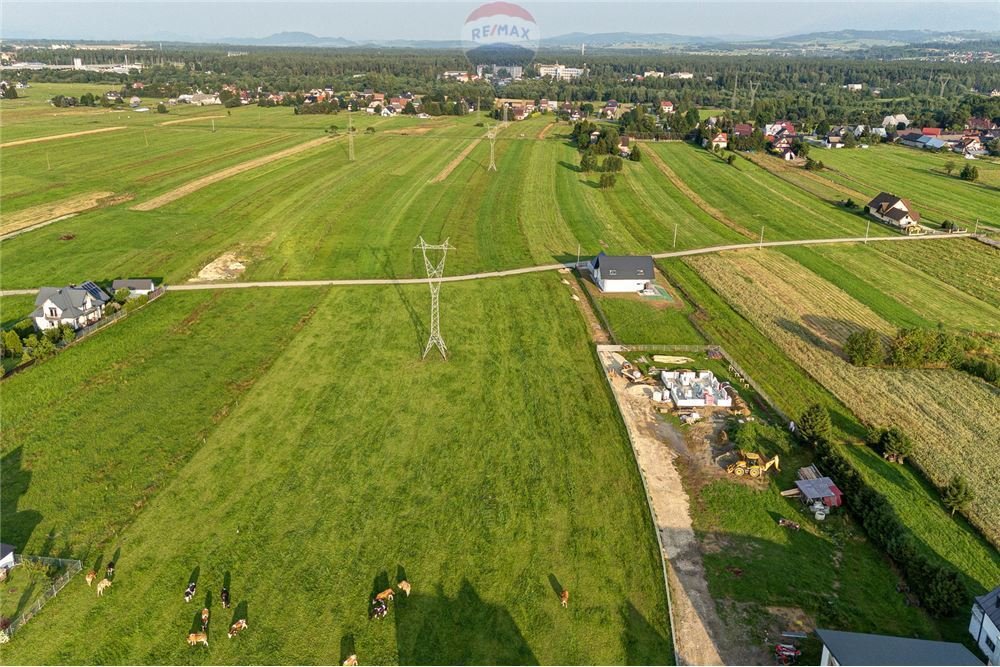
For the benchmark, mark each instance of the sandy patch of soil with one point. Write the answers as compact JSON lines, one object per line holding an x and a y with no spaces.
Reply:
{"x":205,"y":181}
{"x":189,"y":120}
{"x":53,"y":137}
{"x":37,"y":216}
{"x":223,"y":267}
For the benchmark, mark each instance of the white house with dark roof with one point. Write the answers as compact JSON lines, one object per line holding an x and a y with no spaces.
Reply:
{"x":624,"y":273}
{"x":984,"y":625}
{"x":895,"y":211}
{"x":855,"y":648}
{"x":75,"y":305}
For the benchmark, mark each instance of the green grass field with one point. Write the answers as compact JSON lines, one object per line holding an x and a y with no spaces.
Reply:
{"x":318,"y":461}
{"x":920,"y":177}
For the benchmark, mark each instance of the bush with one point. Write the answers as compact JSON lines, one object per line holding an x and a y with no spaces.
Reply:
{"x":137,"y":302}
{"x":957,"y":496}
{"x":915,"y":347}
{"x":44,"y":349}
{"x":891,"y":443}
{"x":53,"y":335}
{"x":121,"y":295}
{"x":161,"y":108}
{"x":814,"y":425}
{"x":731,"y":159}
{"x":969,"y":173}
{"x":588,"y":162}
{"x":608,"y":181}
{"x":612,"y":164}
{"x":12,"y":346}
{"x":68,"y":334}
{"x":864,"y":348}
{"x":24,"y":328}
{"x":369,"y":130}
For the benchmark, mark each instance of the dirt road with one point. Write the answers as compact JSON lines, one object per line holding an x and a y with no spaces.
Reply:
{"x":45,"y":214}
{"x":189,"y":120}
{"x":53,"y":137}
{"x":205,"y":181}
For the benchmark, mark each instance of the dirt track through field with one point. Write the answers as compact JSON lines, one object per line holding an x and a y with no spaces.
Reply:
{"x":453,"y":165}
{"x":693,"y":196}
{"x":205,"y":181}
{"x":545,"y":130}
{"x":53,"y":137}
{"x":38,"y":216}
{"x":189,"y":120}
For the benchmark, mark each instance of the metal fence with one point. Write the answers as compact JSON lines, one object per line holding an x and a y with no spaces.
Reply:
{"x":72,"y":567}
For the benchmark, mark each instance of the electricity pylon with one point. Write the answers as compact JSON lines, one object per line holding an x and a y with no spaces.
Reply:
{"x":434,"y":274}
{"x":492,"y":134}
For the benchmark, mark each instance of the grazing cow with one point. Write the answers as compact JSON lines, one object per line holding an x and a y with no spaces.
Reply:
{"x":379,"y":609}
{"x":110,"y":572}
{"x":404,"y":586}
{"x":564,"y":598}
{"x":351,"y":661}
{"x":189,"y":591}
{"x":386,"y":595}
{"x":90,"y":577}
{"x":237,"y":627}
{"x":196,"y":638}
{"x":204,"y":619}
{"x":225,"y":598}
{"x":101,"y":585}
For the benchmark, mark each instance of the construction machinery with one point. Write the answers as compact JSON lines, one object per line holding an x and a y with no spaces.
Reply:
{"x":753,"y":464}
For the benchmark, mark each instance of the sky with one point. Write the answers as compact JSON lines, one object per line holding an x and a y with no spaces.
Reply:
{"x":358,"y":21}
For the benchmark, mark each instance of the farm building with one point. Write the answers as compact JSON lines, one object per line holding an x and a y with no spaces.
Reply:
{"x":76,"y":305}
{"x":821,"y":489}
{"x":893,"y":122}
{"x":855,"y":648}
{"x":623,"y":273}
{"x":690,"y":389}
{"x":6,"y":556}
{"x":135,"y":286}
{"x":984,"y":625}
{"x":894,"y":211}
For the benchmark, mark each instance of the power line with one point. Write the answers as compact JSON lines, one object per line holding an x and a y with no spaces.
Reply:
{"x":434,"y":274}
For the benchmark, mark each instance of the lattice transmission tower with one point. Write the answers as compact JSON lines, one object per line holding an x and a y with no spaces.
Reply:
{"x":350,"y":138}
{"x":492,"y":134}
{"x":435,"y":271}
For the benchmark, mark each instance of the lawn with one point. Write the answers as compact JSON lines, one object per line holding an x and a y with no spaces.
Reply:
{"x":919,"y":176}
{"x":335,"y":462}
{"x":810,"y":318}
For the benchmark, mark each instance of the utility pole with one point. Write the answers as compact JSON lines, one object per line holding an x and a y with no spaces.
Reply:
{"x":577,"y":255}
{"x":350,"y":138}
{"x":48,"y":163}
{"x":675,"y":236}
{"x":944,"y":80}
{"x":761,"y":246}
{"x":736,"y":86}
{"x":146,"y":137}
{"x":434,"y":274}
{"x":753,"y":94}
{"x":867,"y":227}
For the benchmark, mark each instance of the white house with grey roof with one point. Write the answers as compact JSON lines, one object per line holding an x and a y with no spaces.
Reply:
{"x":135,"y":286}
{"x":855,"y":648}
{"x":623,"y":273}
{"x":985,"y":625}
{"x":75,"y":305}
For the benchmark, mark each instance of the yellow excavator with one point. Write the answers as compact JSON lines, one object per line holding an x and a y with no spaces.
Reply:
{"x":753,"y":464}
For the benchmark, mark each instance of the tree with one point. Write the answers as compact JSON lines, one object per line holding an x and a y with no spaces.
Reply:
{"x":409,"y":109}
{"x":12,"y":346}
{"x":67,"y":333}
{"x":121,"y":295}
{"x":891,"y":442}
{"x":45,"y":348}
{"x":10,"y":93}
{"x":949,"y":167}
{"x":814,"y":425}
{"x":369,"y":130}
{"x":588,"y":162}
{"x":608,"y":181}
{"x":731,"y":159}
{"x":53,"y":335}
{"x":864,"y":348}
{"x":612,"y":164}
{"x":969,"y":173}
{"x":957,"y":495}
{"x":161,"y":108}
{"x":636,"y":154}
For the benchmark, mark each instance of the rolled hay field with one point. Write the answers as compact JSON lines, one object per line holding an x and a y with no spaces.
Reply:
{"x":951,"y":416}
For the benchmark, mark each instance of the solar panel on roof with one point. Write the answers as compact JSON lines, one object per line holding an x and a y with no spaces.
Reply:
{"x":93,"y":290}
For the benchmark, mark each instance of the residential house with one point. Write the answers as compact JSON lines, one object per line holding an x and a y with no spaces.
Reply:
{"x":894,"y":211}
{"x":611,"y":109}
{"x":624,"y":148}
{"x":879,"y":132}
{"x":680,"y":75}
{"x":854,"y":87}
{"x":6,"y":556}
{"x":853,"y":648}
{"x":113,"y":96}
{"x":742,"y":130}
{"x":652,"y":74}
{"x":690,"y":389}
{"x":984,"y":625}
{"x":519,"y":112}
{"x":75,"y":305}
{"x":135,"y":286}
{"x":980,"y":124}
{"x":788,"y":154}
{"x":930,"y":142}
{"x":623,"y":273}
{"x":666,"y":106}
{"x":204,"y":99}
{"x":720,"y":140}
{"x":893,"y":121}
{"x":778,"y":128}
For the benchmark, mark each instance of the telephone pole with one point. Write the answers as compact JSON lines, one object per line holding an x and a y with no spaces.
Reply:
{"x":350,"y":138}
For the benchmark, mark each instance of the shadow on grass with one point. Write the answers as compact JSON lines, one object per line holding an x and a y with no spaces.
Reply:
{"x":241,"y":611}
{"x":434,"y":629}
{"x":18,"y":525}
{"x":644,"y":645}
{"x":419,"y":332}
{"x":572,"y":167}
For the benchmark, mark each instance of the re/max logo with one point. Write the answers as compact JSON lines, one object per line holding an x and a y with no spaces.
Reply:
{"x":499,"y":30}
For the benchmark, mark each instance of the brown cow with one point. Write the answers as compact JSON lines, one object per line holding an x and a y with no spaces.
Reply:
{"x":90,"y":577}
{"x":564,"y":598}
{"x":386,"y":595}
{"x":404,"y":586}
{"x":196,"y":638}
{"x":351,"y":661}
{"x":101,"y":585}
{"x":204,"y":619}
{"x":237,"y":627}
